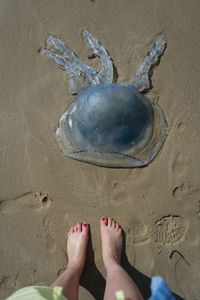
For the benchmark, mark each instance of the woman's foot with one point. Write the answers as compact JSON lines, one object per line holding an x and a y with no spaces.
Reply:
{"x":111,"y":238}
{"x":77,"y":241}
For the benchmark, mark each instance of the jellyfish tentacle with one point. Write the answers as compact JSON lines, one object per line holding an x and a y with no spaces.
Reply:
{"x":105,"y":74}
{"x":79,"y":73}
{"x":141,"y":79}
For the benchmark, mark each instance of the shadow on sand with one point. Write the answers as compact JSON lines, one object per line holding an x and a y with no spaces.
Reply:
{"x":95,"y":283}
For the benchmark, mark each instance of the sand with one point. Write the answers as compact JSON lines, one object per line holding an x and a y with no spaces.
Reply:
{"x":43,"y":193}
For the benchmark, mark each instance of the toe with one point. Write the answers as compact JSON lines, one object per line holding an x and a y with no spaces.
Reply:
{"x":117,"y":226}
{"x":71,"y":230}
{"x":114,"y":224}
{"x":110,"y":222}
{"x":85,"y":227}
{"x":78,"y":227}
{"x":104,"y":221}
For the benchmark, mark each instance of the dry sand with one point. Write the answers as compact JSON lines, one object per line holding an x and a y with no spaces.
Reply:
{"x":42,"y":193}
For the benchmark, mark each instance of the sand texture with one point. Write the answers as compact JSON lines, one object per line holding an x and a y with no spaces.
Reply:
{"x":42,"y":193}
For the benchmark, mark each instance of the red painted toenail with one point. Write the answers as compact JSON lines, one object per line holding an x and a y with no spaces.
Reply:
{"x":103,"y":219}
{"x":85,"y":225}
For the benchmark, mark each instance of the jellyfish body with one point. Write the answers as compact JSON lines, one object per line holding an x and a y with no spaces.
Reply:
{"x":111,"y":125}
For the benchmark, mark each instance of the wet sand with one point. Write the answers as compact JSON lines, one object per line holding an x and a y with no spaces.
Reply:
{"x":44,"y":193}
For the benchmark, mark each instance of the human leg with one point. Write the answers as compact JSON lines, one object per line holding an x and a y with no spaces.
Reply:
{"x":77,"y":241}
{"x":116,"y":277}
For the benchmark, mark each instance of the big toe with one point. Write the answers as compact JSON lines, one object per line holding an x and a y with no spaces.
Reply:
{"x":85,"y":228}
{"x":104,"y":221}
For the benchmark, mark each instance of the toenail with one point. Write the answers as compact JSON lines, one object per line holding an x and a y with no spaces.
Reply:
{"x":103,"y":219}
{"x":85,"y":225}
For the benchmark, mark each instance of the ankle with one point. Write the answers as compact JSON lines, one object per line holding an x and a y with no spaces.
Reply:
{"x":74,"y":268}
{"x":111,"y":263}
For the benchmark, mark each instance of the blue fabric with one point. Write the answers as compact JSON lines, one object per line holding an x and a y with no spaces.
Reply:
{"x":160,"y":290}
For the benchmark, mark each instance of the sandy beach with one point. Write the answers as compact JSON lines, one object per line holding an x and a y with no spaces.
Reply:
{"x":42,"y":193}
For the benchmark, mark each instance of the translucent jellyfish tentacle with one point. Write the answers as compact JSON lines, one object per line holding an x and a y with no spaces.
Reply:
{"x":72,"y":71}
{"x":141,"y":79}
{"x":79,"y":73}
{"x":63,"y":48}
{"x":105,"y":74}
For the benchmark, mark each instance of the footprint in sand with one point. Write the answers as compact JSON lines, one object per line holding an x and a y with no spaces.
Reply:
{"x":178,"y":165}
{"x":137,"y":233}
{"x":53,"y":226}
{"x":167,"y":231}
{"x":27,"y":201}
{"x":178,"y":169}
{"x":51,"y":245}
{"x":184,"y":190}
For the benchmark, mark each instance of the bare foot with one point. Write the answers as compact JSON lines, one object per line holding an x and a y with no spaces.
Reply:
{"x":111,"y":238}
{"x":77,"y":245}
